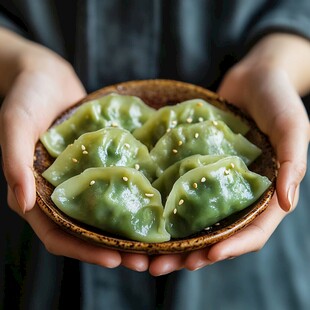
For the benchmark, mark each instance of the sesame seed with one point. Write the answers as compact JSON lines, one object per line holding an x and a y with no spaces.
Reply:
{"x":215,"y":123}
{"x":200,"y":119}
{"x":168,"y":130}
{"x":127,"y":145}
{"x":181,"y":202}
{"x":175,"y":211}
{"x":137,"y":166}
{"x":217,"y":224}
{"x":203,"y":179}
{"x":85,"y":152}
{"x":174,"y":122}
{"x":114,"y":124}
{"x":149,"y":194}
{"x":196,"y":135}
{"x":92,"y":182}
{"x":189,"y":120}
{"x":226,"y":172}
{"x":83,"y":147}
{"x":174,"y":151}
{"x":180,"y":143}
{"x":232,"y":165}
{"x":74,"y":160}
{"x":199,"y":104}
{"x":125,"y":179}
{"x":207,"y":228}
{"x":195,"y":185}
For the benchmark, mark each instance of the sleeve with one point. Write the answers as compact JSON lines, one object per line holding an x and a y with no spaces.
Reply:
{"x":289,"y":16}
{"x":9,"y":19}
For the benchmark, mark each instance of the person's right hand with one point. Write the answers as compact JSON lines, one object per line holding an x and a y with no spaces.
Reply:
{"x":42,"y":87}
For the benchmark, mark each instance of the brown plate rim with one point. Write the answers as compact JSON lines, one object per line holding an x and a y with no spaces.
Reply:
{"x":201,"y":240}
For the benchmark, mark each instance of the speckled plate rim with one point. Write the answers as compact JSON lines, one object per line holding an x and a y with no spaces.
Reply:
{"x":222,"y":230}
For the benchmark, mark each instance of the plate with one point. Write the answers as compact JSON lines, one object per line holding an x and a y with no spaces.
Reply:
{"x":158,"y":93}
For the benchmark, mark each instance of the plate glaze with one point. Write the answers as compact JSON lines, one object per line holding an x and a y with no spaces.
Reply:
{"x":158,"y":93}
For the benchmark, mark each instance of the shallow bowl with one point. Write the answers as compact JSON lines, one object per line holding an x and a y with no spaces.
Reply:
{"x":158,"y":93}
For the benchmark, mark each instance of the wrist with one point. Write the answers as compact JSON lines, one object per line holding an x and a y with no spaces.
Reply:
{"x":21,"y":56}
{"x":284,"y":54}
{"x":39,"y":59}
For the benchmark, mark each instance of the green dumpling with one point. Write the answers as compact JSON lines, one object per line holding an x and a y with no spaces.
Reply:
{"x":223,"y":188}
{"x":101,"y":148}
{"x":205,"y":138}
{"x":167,"y":179}
{"x":190,"y":111}
{"x":117,"y":200}
{"x":128,"y":112}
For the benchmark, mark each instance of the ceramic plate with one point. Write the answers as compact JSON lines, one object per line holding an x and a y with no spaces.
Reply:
{"x":158,"y":93}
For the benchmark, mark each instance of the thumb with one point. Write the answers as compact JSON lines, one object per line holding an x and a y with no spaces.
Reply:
{"x":17,"y":145}
{"x":28,"y":109}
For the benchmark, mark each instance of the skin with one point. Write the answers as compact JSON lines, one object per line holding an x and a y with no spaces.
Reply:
{"x":269,"y":78}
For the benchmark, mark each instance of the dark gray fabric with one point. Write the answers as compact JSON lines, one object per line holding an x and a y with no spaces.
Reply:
{"x":112,"y":41}
{"x":195,"y":41}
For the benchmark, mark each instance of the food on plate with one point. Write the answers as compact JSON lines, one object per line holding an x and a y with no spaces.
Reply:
{"x":205,"y":138}
{"x":207,"y":194}
{"x":128,"y":112}
{"x":166,"y":180}
{"x":148,"y":175}
{"x":186,"y":112}
{"x":117,"y":200}
{"x":102,"y":148}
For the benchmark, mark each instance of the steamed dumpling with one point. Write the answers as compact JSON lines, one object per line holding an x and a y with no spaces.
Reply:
{"x":167,"y":179}
{"x":117,"y":200}
{"x":205,"y":138}
{"x":128,"y":112}
{"x":190,"y":111}
{"x":205,"y":195}
{"x":101,"y":148}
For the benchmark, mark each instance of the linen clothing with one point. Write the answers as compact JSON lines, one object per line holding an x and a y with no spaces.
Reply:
{"x":193,"y":41}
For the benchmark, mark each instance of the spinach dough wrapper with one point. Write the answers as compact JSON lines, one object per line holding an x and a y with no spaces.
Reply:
{"x":205,"y":138}
{"x":117,"y":200}
{"x":205,"y":195}
{"x":187,"y":112}
{"x":166,"y":181}
{"x":128,"y":112}
{"x":101,"y":148}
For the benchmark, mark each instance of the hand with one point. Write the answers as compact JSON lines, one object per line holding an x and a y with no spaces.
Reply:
{"x":264,"y":87}
{"x":44,"y":85}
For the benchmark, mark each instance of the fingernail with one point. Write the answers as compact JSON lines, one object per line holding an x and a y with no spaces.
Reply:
{"x":291,"y":195}
{"x":165,"y":270}
{"x":200,"y":265}
{"x":19,"y":195}
{"x":141,"y":267}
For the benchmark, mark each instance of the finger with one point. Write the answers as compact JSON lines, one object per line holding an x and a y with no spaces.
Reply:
{"x":291,"y":143}
{"x":21,"y":125}
{"x":136,"y":262}
{"x":164,"y":264}
{"x":197,"y":259}
{"x":59,"y":242}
